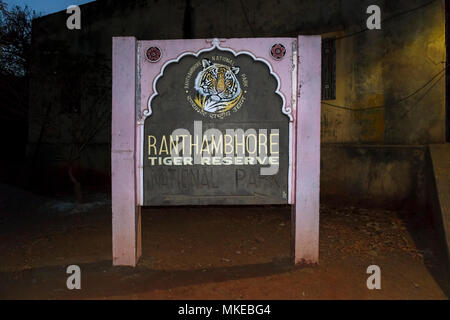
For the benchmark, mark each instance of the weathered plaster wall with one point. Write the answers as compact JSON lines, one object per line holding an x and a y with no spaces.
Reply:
{"x":382,"y":68}
{"x":376,"y":176}
{"x":374,"y":68}
{"x":411,"y":58}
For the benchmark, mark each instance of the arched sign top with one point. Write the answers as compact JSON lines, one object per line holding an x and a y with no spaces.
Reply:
{"x":285,"y":109}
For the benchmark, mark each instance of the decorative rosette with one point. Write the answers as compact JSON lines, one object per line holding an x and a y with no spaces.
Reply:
{"x":278,"y":51}
{"x":153,"y":54}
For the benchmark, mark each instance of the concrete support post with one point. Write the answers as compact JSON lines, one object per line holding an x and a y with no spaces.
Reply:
{"x":305,"y":210}
{"x":125,"y":213}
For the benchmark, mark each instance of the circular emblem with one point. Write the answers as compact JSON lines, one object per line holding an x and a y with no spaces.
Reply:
{"x":153,"y":54}
{"x":278,"y":51}
{"x":216,"y":87}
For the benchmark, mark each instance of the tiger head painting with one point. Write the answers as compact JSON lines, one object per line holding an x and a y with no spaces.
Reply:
{"x":217,"y":87}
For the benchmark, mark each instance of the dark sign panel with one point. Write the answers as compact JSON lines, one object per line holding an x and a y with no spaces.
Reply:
{"x":217,"y":134}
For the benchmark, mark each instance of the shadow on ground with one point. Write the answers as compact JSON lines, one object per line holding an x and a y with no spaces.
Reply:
{"x":214,"y":253}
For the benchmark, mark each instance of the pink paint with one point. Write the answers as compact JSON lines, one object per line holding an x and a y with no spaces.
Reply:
{"x":173,"y":49}
{"x":127,"y":131}
{"x":123,"y":146}
{"x":305,"y":210}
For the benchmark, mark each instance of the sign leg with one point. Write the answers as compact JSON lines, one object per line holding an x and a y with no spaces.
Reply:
{"x":139,"y":233}
{"x":305,"y":207}
{"x":125,"y":212}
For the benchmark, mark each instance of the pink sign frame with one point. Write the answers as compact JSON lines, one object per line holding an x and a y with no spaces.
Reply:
{"x":299,"y":84}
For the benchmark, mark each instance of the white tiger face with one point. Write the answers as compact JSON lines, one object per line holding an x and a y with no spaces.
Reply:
{"x":217,"y":86}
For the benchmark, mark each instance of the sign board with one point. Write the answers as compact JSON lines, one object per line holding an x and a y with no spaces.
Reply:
{"x":215,"y":122}
{"x":216,"y":133}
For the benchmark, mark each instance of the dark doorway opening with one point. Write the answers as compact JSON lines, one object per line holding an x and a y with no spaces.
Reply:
{"x":447,"y":71}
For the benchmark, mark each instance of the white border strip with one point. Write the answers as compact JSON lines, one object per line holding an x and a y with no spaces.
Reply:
{"x":294,"y":103}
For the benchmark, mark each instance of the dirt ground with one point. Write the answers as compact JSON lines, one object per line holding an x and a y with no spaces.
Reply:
{"x":218,"y":253}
